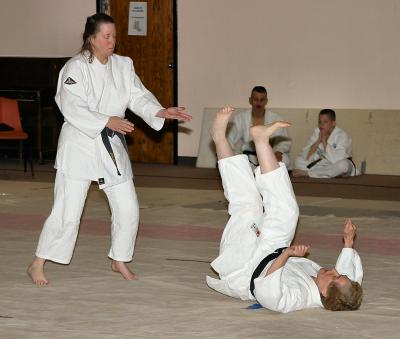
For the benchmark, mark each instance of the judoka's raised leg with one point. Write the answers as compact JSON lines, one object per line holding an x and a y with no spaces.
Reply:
{"x":280,"y":206}
{"x":218,"y":133}
{"x":245,"y":206}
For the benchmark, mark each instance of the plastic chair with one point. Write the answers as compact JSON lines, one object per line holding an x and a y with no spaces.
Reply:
{"x":9,"y":116}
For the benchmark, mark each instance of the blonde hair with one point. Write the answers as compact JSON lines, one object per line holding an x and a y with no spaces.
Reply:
{"x":345,"y":298}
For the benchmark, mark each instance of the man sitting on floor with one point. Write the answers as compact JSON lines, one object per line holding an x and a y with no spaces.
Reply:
{"x":328,"y":151}
{"x":256,"y":260}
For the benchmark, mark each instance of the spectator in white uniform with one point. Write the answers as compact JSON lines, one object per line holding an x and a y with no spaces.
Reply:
{"x":94,"y":90}
{"x":328,"y":151}
{"x":256,"y":261}
{"x":239,"y":135}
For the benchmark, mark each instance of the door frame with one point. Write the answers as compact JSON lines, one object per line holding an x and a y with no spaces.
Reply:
{"x":103,"y":6}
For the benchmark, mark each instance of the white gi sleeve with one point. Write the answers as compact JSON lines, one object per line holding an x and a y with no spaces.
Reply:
{"x":337,"y":149}
{"x":143,"y":103}
{"x":349,"y":263}
{"x":276,"y":295}
{"x":71,"y":98}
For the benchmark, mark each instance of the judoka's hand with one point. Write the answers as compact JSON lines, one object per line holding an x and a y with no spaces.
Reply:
{"x":324,"y":136}
{"x":178,"y":113}
{"x":349,"y":233}
{"x":292,"y":251}
{"x":120,"y":125}
{"x":297,"y":250}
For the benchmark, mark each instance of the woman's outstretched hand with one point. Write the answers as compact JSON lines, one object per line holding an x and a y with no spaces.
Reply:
{"x":178,"y":113}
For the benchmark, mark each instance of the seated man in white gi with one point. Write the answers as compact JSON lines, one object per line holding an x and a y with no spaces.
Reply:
{"x":328,"y":151}
{"x":239,"y":135}
{"x":256,"y":261}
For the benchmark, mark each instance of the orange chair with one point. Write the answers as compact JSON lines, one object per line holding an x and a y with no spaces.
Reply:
{"x":9,"y":116}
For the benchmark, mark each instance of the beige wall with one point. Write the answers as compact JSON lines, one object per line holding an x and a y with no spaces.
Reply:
{"x":375,"y":135}
{"x":43,"y":28}
{"x":308,"y":53}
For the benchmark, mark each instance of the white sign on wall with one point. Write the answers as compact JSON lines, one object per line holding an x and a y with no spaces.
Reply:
{"x":137,"y":18}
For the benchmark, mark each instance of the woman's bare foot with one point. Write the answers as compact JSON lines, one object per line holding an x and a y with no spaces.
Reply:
{"x":121,"y":267}
{"x":299,"y":173}
{"x":36,"y":272}
{"x":220,"y":123}
{"x":262,"y":133}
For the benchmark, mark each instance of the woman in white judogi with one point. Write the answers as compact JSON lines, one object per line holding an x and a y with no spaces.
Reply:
{"x":287,"y":281}
{"x":94,"y":89}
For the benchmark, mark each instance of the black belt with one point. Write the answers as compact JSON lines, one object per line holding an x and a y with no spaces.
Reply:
{"x":246,"y":152}
{"x":351,"y":160}
{"x":262,"y":265}
{"x":107,"y":132}
{"x":312,"y":164}
{"x":250,"y":152}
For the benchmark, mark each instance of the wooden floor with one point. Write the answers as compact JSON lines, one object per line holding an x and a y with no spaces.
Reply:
{"x":370,"y":187}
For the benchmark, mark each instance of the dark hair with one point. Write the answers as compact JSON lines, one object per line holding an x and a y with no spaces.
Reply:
{"x":330,"y":112}
{"x":259,"y":89}
{"x":346,"y":298}
{"x":92,"y":26}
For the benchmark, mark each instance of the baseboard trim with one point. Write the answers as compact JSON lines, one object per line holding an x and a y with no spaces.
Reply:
{"x":187,"y":161}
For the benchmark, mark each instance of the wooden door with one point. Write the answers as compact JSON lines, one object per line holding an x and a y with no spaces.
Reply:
{"x":154,"y":60}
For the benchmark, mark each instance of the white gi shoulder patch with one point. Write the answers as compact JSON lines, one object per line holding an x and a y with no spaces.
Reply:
{"x":70,"y":81}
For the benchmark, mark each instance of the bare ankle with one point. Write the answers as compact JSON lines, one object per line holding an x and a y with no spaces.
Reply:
{"x":36,"y":272}
{"x":122,"y":268}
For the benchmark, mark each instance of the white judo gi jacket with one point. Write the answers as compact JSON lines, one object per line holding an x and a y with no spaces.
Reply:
{"x":289,"y":288}
{"x":239,"y":134}
{"x":88,"y":94}
{"x":292,"y":287}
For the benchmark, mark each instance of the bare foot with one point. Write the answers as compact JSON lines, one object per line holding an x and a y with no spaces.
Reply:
{"x":218,"y":128}
{"x":299,"y":173}
{"x":36,"y":272}
{"x":121,"y":267}
{"x":262,"y":133}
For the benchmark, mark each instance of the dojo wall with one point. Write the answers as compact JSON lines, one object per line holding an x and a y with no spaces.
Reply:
{"x":43,"y":28}
{"x":308,"y":53}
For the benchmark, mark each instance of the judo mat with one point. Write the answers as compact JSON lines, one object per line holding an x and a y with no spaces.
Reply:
{"x":181,"y":225}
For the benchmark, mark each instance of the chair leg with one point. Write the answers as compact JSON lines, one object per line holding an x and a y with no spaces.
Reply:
{"x":27,"y":152}
{"x":31,"y":160}
{"x":24,"y":153}
{"x":21,"y":150}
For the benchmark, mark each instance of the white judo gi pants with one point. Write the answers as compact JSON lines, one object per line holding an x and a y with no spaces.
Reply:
{"x":59,"y":233}
{"x":266,"y":202}
{"x":324,"y":168}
